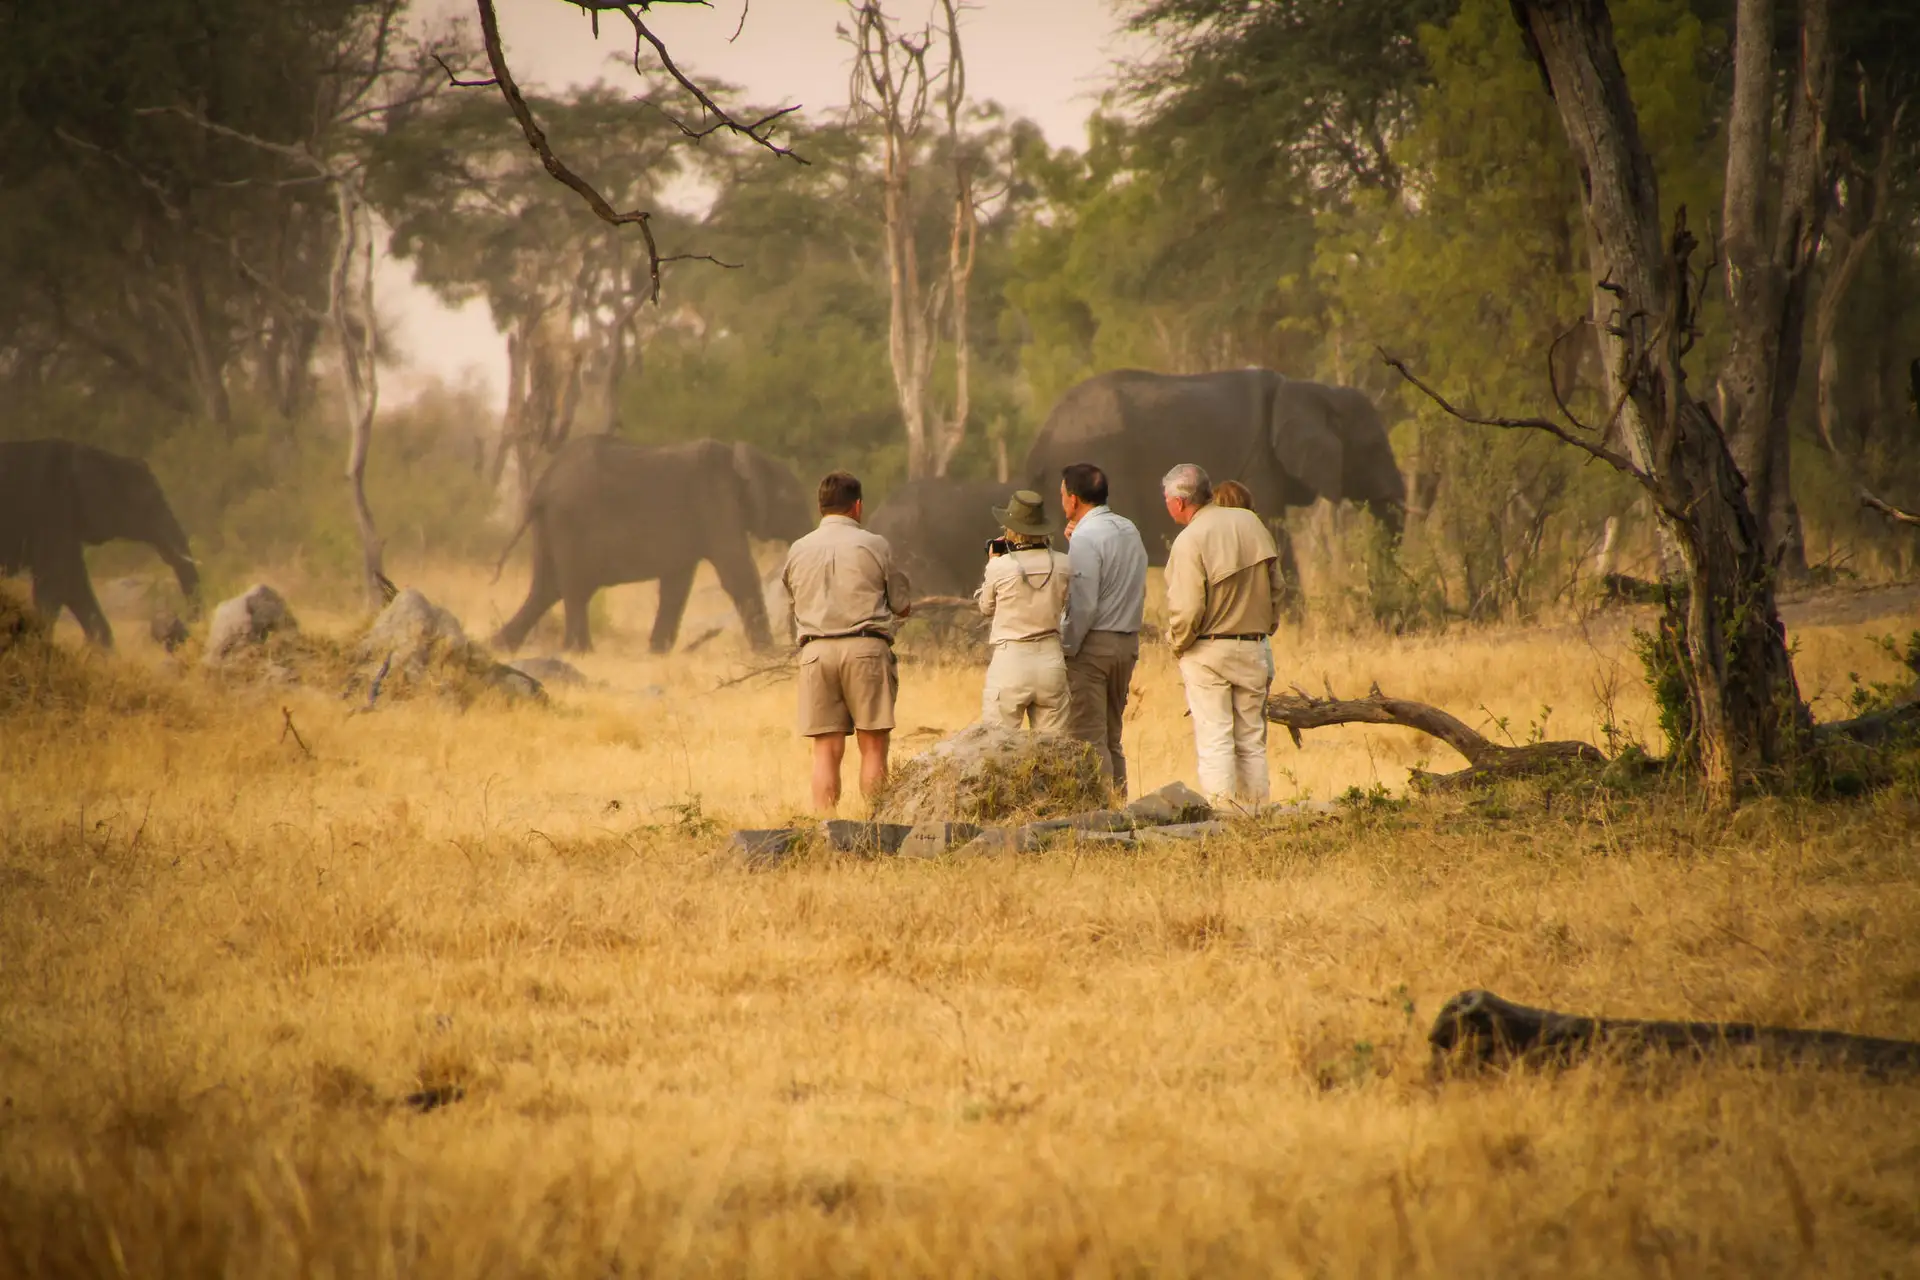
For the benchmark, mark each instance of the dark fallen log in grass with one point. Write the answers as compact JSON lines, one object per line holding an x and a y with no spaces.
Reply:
{"x":1487,"y":761}
{"x":1478,"y":1028}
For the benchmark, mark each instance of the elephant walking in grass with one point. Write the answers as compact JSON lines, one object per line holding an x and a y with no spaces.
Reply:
{"x":608,"y":511}
{"x":1290,"y":442}
{"x":58,"y":498}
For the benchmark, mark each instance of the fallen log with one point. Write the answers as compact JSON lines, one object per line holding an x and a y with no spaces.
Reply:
{"x":1478,"y":1028}
{"x":1487,"y":761}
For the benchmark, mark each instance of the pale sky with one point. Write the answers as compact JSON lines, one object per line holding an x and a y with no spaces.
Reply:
{"x":1048,"y":60}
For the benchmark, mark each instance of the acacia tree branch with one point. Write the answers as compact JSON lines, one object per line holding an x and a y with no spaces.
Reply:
{"x":1618,"y":461}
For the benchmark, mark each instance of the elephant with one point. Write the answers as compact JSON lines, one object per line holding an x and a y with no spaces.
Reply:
{"x":1289,"y":441}
{"x":58,"y":497}
{"x":938,"y":529}
{"x":608,"y":511}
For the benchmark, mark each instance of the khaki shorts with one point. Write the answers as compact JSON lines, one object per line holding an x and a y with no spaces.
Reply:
{"x":847,"y":683}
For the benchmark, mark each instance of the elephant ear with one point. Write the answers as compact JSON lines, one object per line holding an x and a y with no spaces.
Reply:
{"x":1306,"y":437}
{"x":103,"y":488}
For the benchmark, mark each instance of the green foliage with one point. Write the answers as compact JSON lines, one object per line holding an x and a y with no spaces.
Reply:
{"x":1662,"y":653}
{"x":261,"y":491}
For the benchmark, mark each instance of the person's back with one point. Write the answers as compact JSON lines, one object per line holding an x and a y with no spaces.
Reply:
{"x":1222,"y":578}
{"x":846,"y":592}
{"x":1223,"y":591}
{"x":1025,"y":592}
{"x":838,"y":578}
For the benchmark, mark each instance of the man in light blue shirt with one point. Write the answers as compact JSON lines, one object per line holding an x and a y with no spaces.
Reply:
{"x":1100,"y":634}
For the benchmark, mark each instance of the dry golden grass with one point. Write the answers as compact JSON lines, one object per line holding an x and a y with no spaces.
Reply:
{"x":227,"y":961}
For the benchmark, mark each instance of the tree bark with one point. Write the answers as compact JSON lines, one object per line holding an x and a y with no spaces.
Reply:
{"x":350,"y":305}
{"x":1747,"y":715}
{"x":1768,"y":275}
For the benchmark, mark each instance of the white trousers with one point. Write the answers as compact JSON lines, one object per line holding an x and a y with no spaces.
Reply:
{"x":1227,"y":684}
{"x":1027,"y":679}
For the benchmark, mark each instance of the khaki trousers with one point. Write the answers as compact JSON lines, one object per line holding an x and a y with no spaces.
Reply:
{"x":1226,"y":694}
{"x":1099,"y":677}
{"x":1026,"y":679}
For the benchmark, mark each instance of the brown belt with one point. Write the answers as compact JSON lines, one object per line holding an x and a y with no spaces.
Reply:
{"x":1243,"y":636}
{"x":864,"y":634}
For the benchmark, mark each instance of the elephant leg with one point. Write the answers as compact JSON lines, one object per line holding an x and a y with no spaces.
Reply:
{"x":740,"y":581}
{"x":579,"y":635}
{"x":1294,"y":607}
{"x":542,"y":595}
{"x":675,"y":586}
{"x":69,"y":584}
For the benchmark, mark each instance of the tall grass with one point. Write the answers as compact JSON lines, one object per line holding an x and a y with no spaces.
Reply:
{"x":481,"y":993}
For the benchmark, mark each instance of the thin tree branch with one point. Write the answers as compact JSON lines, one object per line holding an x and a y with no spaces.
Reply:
{"x":457,"y":82}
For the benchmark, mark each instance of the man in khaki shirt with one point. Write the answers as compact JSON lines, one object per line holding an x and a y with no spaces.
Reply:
{"x":1223,"y":591}
{"x":846,"y":593}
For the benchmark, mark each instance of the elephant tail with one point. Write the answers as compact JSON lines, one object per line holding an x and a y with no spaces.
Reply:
{"x":525,"y":520}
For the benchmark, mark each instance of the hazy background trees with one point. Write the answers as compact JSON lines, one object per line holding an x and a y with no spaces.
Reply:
{"x":1291,"y":185}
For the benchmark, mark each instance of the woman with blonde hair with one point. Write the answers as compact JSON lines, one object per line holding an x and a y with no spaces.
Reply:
{"x":1024,"y":591}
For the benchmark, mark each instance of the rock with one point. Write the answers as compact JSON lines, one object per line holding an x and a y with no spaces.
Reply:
{"x":549,"y":670}
{"x":767,"y":846}
{"x":986,"y":773}
{"x":167,"y":630}
{"x":415,"y":645}
{"x":1124,"y":839}
{"x":846,"y":836}
{"x":990,"y":841}
{"x":245,"y":622}
{"x":1184,"y":831}
{"x":931,"y":839}
{"x":1174,"y":803}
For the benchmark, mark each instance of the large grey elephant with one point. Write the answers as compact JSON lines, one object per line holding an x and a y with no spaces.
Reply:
{"x":938,"y":529}
{"x":57,"y":498}
{"x":1289,"y":441}
{"x":607,"y":511}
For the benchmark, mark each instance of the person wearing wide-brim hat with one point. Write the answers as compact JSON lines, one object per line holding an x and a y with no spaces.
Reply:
{"x":1024,"y":591}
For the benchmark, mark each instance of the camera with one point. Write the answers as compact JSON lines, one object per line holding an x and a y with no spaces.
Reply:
{"x":998,"y":547}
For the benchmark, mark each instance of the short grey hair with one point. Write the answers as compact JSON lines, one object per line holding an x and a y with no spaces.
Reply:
{"x":1188,"y":483}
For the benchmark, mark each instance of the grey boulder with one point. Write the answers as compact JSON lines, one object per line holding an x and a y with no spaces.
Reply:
{"x":245,"y":622}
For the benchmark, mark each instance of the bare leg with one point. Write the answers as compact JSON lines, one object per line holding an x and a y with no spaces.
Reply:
{"x":828,"y":748}
{"x":675,"y":586}
{"x":873,"y":761}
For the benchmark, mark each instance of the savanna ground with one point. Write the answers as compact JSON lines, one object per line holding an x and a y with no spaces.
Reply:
{"x":227,"y":959}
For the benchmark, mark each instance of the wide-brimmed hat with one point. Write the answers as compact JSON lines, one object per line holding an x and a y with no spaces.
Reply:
{"x":1025,"y":512}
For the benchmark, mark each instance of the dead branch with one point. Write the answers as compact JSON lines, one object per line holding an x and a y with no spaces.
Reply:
{"x":1486,"y":760}
{"x":782,"y":669}
{"x":758,"y":131}
{"x":286,"y":717}
{"x":1477,"y":1028}
{"x":1613,"y":458}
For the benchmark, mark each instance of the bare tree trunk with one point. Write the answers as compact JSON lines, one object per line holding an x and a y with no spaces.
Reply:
{"x":1746,"y":711}
{"x":892,"y":82}
{"x":350,"y":303}
{"x":1768,"y":275}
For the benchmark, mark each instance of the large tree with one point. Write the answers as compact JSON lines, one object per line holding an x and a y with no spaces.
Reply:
{"x":1744,"y":705}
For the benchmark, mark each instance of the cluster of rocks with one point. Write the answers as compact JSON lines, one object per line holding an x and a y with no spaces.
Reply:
{"x":988,"y":790}
{"x":1174,"y":812}
{"x":413,"y":647}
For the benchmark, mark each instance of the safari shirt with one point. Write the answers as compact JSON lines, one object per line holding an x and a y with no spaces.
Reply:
{"x":1024,"y":592}
{"x":842,"y":580}
{"x":1223,"y":578}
